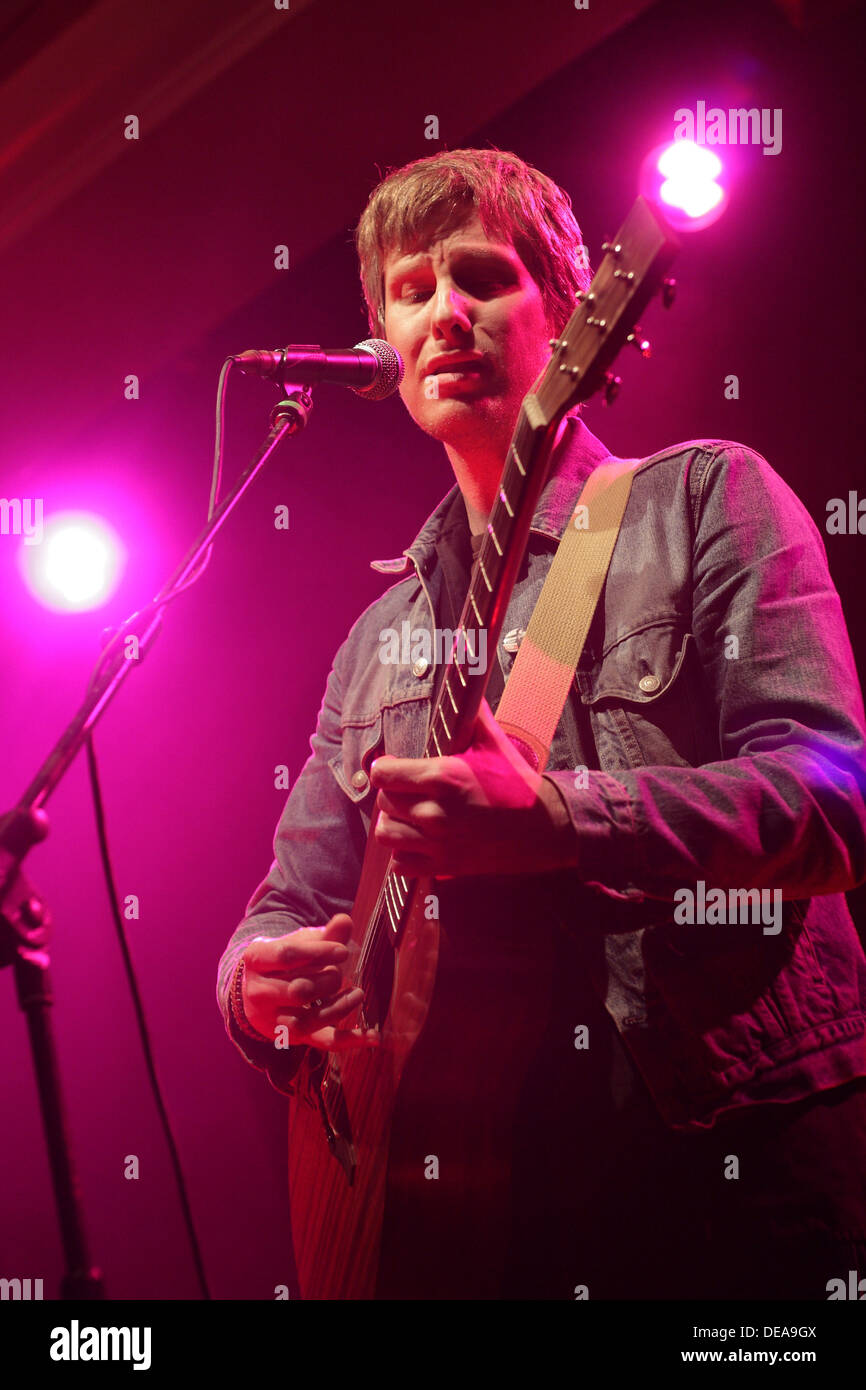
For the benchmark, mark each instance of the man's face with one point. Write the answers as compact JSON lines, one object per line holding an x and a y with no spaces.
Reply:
{"x":461,"y":296}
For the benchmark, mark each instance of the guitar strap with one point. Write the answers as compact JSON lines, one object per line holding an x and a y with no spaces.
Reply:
{"x":537,"y":686}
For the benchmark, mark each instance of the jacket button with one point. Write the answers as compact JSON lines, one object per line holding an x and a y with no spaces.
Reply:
{"x":421,"y":666}
{"x":512,"y":640}
{"x":649,"y":683}
{"x":359,"y":779}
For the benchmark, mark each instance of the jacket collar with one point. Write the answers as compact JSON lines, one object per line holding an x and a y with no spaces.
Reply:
{"x":579,"y":452}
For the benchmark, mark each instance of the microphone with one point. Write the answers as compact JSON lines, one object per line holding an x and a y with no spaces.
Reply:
{"x":372,"y":369}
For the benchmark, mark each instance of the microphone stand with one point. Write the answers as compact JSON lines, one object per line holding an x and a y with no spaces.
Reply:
{"x":24,"y":917}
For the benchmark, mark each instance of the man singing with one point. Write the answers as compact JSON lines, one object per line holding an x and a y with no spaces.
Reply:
{"x":691,"y":1122}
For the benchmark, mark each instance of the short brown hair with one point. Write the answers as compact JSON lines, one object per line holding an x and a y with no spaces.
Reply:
{"x":513,"y":200}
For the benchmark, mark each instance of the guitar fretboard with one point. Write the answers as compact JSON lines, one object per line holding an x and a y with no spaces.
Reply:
{"x":494,"y":573}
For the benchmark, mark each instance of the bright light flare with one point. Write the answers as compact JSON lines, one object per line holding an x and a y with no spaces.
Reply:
{"x":690,"y":173}
{"x":683,"y":176}
{"x":78,"y":564}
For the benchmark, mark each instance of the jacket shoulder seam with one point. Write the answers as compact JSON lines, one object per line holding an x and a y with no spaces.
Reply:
{"x":709,"y":447}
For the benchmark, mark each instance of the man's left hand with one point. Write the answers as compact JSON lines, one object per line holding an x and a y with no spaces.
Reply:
{"x":484,"y":811}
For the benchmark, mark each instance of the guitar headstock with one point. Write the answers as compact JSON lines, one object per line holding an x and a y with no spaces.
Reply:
{"x":633,"y":269}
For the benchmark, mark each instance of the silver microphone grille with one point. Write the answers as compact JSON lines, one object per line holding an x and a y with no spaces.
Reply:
{"x":390,"y":372}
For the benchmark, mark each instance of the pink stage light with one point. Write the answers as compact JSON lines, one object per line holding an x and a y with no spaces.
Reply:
{"x":682,"y":176}
{"x":78,"y":564}
{"x":690,"y":178}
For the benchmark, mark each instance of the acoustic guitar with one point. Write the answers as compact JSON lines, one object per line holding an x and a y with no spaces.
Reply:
{"x":399,"y":1156}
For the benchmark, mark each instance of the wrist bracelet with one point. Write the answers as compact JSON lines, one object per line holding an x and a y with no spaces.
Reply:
{"x":236,"y":1003}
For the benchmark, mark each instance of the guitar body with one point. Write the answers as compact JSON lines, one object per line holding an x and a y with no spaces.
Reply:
{"x":449,"y":1184}
{"x":430,"y":1114}
{"x":337,"y":1188}
{"x":402,"y":1159}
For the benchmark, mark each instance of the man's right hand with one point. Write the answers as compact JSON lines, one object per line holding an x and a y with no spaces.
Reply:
{"x":283,"y":974}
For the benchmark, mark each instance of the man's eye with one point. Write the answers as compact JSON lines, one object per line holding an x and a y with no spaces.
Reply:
{"x":475,"y":286}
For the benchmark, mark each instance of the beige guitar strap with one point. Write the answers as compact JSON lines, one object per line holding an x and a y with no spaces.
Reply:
{"x":538,"y":683}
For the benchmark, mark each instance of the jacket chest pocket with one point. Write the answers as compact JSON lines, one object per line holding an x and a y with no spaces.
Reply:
{"x":351,"y":766}
{"x":399,"y":729}
{"x":642,"y":696}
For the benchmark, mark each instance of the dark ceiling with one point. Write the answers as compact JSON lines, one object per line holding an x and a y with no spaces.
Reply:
{"x":253,"y":121}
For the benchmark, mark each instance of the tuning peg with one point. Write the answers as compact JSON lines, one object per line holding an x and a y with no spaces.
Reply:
{"x":611,"y":387}
{"x":637,"y":340}
{"x":669,"y":291}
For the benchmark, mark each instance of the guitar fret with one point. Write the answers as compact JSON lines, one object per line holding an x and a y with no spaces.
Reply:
{"x":444,"y":724}
{"x":484,"y":575}
{"x":475,"y":609}
{"x":517,"y":461}
{"x":447,"y":687}
{"x":436,"y":741}
{"x":399,"y":901}
{"x":493,"y":538}
{"x":506,"y":502}
{"x":458,"y":669}
{"x":392,"y":916}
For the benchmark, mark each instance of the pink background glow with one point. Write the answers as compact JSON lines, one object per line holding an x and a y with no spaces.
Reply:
{"x":160,"y":263}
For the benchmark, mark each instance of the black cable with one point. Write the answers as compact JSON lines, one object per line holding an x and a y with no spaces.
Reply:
{"x":156,"y":605}
{"x":99,"y":814}
{"x":140,"y":1018}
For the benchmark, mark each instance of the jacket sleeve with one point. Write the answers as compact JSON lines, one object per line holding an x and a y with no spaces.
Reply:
{"x":318,"y":853}
{"x":783,"y":807}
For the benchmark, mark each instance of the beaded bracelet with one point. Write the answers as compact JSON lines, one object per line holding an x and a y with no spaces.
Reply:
{"x":236,"y":1000}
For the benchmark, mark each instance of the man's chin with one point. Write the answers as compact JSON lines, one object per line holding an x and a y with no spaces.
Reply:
{"x":457,"y":421}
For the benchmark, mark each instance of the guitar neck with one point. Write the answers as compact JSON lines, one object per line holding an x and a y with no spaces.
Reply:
{"x":493,"y":578}
{"x":630,"y":273}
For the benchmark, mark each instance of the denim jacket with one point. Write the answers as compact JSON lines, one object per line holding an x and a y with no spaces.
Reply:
{"x":720,"y":689}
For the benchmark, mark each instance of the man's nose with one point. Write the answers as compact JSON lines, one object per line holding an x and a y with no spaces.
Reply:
{"x":449,"y":309}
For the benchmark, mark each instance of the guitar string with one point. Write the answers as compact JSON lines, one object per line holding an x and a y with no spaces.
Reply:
{"x":375,"y":939}
{"x":389,"y":899}
{"x":508,"y":503}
